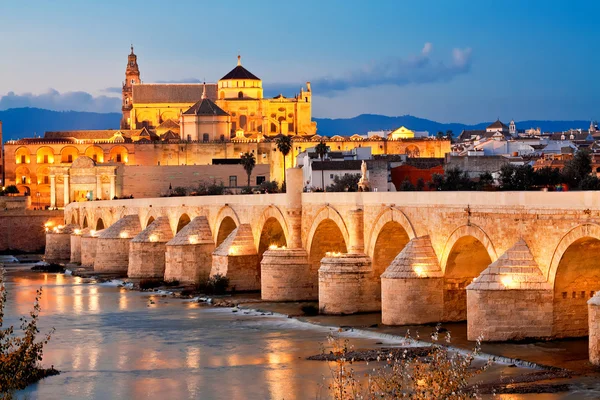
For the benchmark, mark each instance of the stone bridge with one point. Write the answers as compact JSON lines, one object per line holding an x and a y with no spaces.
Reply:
{"x":513,"y":264}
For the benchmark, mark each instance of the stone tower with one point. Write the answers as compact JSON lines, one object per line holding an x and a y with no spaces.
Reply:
{"x":512,"y":128}
{"x":132,"y":77}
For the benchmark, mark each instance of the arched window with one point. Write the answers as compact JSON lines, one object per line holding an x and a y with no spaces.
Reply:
{"x":240,"y":95}
{"x":273,"y":127}
{"x":205,"y":137}
{"x":243,"y":121}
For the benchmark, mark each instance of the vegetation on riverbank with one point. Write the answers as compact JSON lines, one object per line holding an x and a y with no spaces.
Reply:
{"x":20,"y":355}
{"x":435,"y":372}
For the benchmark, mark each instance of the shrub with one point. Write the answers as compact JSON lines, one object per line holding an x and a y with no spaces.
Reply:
{"x":344,"y":183}
{"x":441,"y":374}
{"x":246,"y":190}
{"x":269,"y":187}
{"x":20,"y":355}
{"x":179,"y":191}
{"x":217,"y":284}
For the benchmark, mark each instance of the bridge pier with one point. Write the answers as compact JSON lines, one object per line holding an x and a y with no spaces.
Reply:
{"x":112,"y":248}
{"x":412,"y":287}
{"x":510,"y":299}
{"x":285,"y":273}
{"x":89,"y":242}
{"x":188,"y":256}
{"x":76,"y":244}
{"x":236,"y":258}
{"x":347,"y":284}
{"x":147,"y":250}
{"x":594,"y":325}
{"x":58,"y":244}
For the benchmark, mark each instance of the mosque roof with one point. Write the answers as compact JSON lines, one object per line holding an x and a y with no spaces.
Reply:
{"x":497,"y":125}
{"x":172,"y":92}
{"x":206,"y":107}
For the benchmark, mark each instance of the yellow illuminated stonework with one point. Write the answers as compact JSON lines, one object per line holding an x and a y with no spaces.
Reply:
{"x":402,"y":133}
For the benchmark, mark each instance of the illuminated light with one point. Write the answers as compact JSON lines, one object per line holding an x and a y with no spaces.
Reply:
{"x":60,"y":226}
{"x":419,"y":271}
{"x":46,"y":229}
{"x":273,"y":247}
{"x":48,"y":224}
{"x":232,"y":251}
{"x":55,"y":230}
{"x":77,"y":231}
{"x":123,"y":235}
{"x":193,"y":239}
{"x":153,"y":238}
{"x":92,"y":233}
{"x":507,"y":281}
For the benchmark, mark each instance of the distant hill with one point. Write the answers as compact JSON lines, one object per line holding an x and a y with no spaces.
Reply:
{"x":372,"y":122}
{"x":27,"y":122}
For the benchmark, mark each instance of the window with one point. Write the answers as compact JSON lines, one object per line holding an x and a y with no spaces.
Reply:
{"x":232,"y":181}
{"x":45,"y":158}
{"x":23,"y":179}
{"x":189,"y":138}
{"x":330,"y":176}
{"x":240,"y":95}
{"x":23,"y":159}
{"x":243,"y":121}
{"x":290,"y":127}
{"x":95,"y":157}
{"x":46,"y":180}
{"x":132,"y":81}
{"x":260,"y":179}
{"x":205,"y":137}
{"x":70,"y":158}
{"x":118,"y":158}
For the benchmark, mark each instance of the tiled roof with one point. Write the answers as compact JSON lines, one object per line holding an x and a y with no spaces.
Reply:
{"x":172,"y":92}
{"x":497,"y":125}
{"x":206,"y":107}
{"x":169,"y":135}
{"x":90,"y":134}
{"x":336,"y":165}
{"x":240,"y":72}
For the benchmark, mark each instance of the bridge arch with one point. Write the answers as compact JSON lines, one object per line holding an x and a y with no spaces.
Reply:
{"x":467,"y":253}
{"x":100,"y":224}
{"x":327,"y":213}
{"x":270,"y":214}
{"x":225,"y":222}
{"x":574,"y":274}
{"x":183,"y":220}
{"x":390,"y":234}
{"x":85,"y":222}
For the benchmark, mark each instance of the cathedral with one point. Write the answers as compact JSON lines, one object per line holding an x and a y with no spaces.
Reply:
{"x":234,"y":107}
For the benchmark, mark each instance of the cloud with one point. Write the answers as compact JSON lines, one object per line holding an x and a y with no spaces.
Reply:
{"x":114,"y":89}
{"x":68,"y":101}
{"x":417,"y":69}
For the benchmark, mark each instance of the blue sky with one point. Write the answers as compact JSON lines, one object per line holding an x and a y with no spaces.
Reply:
{"x":451,"y":61}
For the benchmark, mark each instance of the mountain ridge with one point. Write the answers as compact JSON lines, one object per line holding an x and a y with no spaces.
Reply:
{"x":29,"y":122}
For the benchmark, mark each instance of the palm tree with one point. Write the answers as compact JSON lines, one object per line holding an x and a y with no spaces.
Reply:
{"x":284,"y":145}
{"x":322,"y":151}
{"x":248,"y":162}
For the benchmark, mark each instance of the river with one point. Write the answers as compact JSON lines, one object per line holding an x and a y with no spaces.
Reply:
{"x":115,"y":343}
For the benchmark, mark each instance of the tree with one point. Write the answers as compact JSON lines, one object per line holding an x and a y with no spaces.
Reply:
{"x":547,"y":177}
{"x":347,"y":182}
{"x":517,"y":177}
{"x":577,"y":168}
{"x":248,"y":162}
{"x":485,"y":180}
{"x":407,"y":186}
{"x":284,"y":145}
{"x":12,"y":189}
{"x":449,"y":134}
{"x":420,"y":184}
{"x":439,"y":135}
{"x":322,"y":151}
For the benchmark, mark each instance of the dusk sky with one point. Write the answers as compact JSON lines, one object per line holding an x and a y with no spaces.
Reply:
{"x":450,"y":61}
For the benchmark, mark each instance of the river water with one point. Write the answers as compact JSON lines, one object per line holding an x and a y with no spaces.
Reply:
{"x":114,"y":343}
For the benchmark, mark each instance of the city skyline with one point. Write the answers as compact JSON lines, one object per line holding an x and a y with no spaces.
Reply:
{"x":444,"y":62}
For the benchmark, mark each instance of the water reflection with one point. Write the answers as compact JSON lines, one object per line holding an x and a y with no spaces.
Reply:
{"x":112,"y":343}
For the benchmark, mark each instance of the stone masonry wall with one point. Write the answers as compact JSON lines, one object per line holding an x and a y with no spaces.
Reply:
{"x":24,"y":231}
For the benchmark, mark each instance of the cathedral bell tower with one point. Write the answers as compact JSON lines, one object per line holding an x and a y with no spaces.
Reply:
{"x":132,"y":77}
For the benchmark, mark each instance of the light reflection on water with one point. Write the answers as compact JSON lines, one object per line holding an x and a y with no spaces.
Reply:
{"x":112,"y":343}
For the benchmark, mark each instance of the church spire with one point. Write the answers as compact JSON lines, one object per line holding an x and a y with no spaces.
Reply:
{"x":239,"y":59}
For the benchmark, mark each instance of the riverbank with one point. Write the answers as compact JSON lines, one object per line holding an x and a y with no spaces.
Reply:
{"x":557,"y":367}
